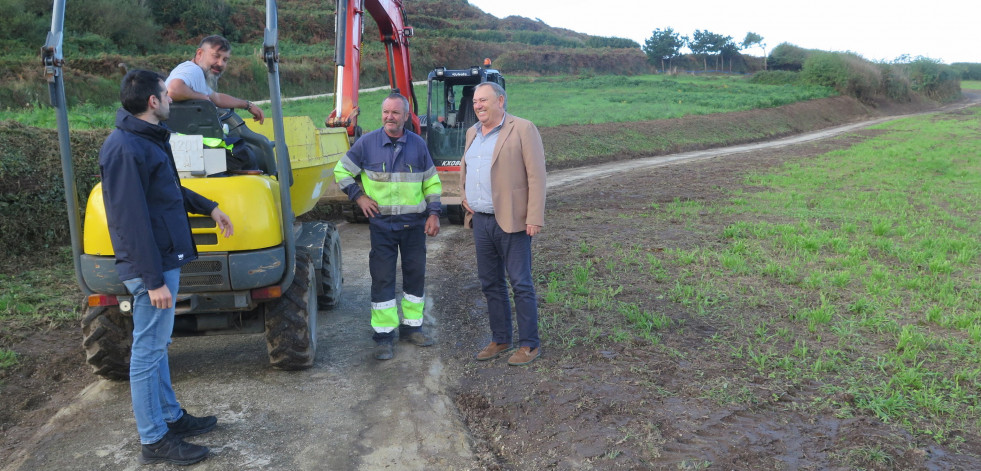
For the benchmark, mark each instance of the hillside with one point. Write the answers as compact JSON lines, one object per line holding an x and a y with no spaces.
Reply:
{"x":97,"y":46}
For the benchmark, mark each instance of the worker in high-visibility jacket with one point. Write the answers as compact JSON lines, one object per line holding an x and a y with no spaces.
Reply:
{"x":401,"y":201}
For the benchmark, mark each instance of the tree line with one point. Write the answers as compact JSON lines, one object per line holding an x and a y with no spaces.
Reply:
{"x":665,"y":45}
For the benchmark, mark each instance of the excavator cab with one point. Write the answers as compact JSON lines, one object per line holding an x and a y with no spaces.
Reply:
{"x":445,"y":124}
{"x":465,"y":116}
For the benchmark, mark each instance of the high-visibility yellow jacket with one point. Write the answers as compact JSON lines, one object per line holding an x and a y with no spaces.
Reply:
{"x":399,"y":175}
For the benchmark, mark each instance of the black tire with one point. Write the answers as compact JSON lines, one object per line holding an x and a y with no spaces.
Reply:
{"x":330,"y":270}
{"x":107,"y":336}
{"x":353,"y":214}
{"x":454,"y":212}
{"x":291,"y":321}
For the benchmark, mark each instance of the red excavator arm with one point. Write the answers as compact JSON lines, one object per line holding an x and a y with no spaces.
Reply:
{"x":395,"y":34}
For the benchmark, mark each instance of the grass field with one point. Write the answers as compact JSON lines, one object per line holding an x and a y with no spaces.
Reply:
{"x":856,"y":271}
{"x":971,"y":85}
{"x":547,"y":101}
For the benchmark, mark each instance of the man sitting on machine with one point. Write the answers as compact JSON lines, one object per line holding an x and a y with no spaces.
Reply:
{"x":197,"y":79}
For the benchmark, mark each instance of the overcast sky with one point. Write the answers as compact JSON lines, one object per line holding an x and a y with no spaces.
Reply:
{"x":875,"y":29}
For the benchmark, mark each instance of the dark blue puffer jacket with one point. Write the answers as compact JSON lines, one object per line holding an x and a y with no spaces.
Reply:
{"x":146,"y":206}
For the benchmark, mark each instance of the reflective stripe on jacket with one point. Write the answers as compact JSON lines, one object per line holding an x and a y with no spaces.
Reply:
{"x":215,"y":143}
{"x":399,"y":176}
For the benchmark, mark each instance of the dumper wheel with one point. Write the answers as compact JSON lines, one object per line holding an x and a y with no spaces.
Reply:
{"x":330,"y":270}
{"x":107,"y":336}
{"x":454,"y":213}
{"x":353,"y":214}
{"x":291,"y":321}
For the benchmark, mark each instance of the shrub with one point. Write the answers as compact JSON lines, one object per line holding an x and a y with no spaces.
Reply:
{"x":597,"y":41}
{"x":574,"y":61}
{"x":126,"y":25}
{"x":787,"y":56}
{"x":968,"y":70}
{"x":24,"y":23}
{"x":895,"y":83}
{"x":933,"y":79}
{"x":32,"y":200}
{"x":848,"y":73}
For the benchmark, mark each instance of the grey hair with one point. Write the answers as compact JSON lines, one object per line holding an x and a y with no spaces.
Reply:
{"x":398,"y":96}
{"x":498,"y":91}
{"x":217,"y":42}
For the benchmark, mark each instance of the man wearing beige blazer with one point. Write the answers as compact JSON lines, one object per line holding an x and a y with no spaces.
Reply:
{"x":504,"y":195}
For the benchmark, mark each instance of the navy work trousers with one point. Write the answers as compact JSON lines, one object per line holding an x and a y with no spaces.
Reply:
{"x":386,"y":246}
{"x":501,"y":254}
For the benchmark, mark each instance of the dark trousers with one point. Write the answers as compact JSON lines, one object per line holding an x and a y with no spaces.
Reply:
{"x":501,"y":254}
{"x":386,"y":246}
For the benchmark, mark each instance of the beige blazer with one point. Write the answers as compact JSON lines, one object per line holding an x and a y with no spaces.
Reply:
{"x":517,"y":175}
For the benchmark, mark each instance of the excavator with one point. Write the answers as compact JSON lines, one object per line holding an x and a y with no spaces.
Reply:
{"x":445,"y":123}
{"x":395,"y":34}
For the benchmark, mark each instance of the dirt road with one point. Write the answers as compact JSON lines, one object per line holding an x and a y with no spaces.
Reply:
{"x":349,"y":412}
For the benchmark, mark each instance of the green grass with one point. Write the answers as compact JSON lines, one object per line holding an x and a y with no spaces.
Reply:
{"x":8,"y":359}
{"x":856,"y":270}
{"x":546,"y":101}
{"x":79,"y":117}
{"x":38,"y":298}
{"x":43,"y":295}
{"x":885,"y":234}
{"x":556,"y":101}
{"x":970,"y":84}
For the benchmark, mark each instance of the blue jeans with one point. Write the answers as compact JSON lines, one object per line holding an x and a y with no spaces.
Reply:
{"x":500,"y":253}
{"x":154,"y":401}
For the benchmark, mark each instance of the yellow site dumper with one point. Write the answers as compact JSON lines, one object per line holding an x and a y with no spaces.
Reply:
{"x":272,"y":276}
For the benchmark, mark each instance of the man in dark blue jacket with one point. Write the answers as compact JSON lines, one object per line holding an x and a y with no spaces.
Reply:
{"x":146,"y":210}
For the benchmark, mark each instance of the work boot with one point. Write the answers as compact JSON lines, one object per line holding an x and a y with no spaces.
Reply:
{"x":171,"y":449}
{"x":418,"y":339}
{"x":493,"y":350}
{"x":384,"y":351}
{"x":189,"y":425}
{"x":524,"y":356}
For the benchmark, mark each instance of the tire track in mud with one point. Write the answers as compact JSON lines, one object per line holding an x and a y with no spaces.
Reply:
{"x":725,"y":435}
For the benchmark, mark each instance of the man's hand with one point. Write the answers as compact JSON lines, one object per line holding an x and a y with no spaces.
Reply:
{"x":432,"y":225}
{"x":532,"y":230}
{"x":257,"y":114}
{"x":466,"y":206}
{"x":160,"y":298}
{"x":368,"y":206}
{"x":223,"y":221}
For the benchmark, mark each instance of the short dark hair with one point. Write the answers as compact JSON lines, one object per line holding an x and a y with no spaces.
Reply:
{"x":216,"y":41}
{"x":398,"y":96}
{"x":137,"y":88}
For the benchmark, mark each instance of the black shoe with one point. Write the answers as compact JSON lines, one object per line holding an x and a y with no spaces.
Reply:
{"x":189,"y":425}
{"x":171,"y":449}
{"x":418,"y":339}
{"x":384,"y":351}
